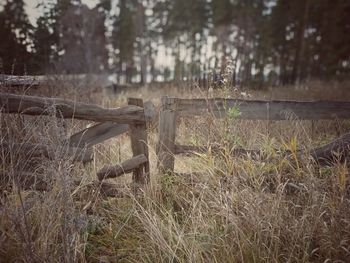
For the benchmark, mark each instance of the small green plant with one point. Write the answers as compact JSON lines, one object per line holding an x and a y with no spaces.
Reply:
{"x":233,"y":139}
{"x":194,"y":140}
{"x":233,"y":112}
{"x":168,"y":181}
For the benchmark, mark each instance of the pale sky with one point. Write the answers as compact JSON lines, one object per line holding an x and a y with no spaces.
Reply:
{"x":34,"y":13}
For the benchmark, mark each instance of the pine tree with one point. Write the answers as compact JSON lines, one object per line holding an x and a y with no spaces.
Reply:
{"x":333,"y":37}
{"x":71,"y":38}
{"x":46,"y":38}
{"x":124,"y":37}
{"x":15,"y":35}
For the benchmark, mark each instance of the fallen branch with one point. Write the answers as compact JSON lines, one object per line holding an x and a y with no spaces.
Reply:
{"x":330,"y":153}
{"x":327,"y":154}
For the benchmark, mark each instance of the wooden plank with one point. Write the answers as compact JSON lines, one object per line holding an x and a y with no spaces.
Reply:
{"x":139,"y":145}
{"x":122,"y":168}
{"x":32,"y":105}
{"x":41,"y":80}
{"x":38,"y":150}
{"x":167,"y":133}
{"x":97,"y":134}
{"x":19,"y":81}
{"x":264,"y":110}
{"x":330,"y":153}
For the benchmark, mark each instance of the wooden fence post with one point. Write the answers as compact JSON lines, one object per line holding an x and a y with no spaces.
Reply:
{"x":167,"y":132}
{"x":139,"y":145}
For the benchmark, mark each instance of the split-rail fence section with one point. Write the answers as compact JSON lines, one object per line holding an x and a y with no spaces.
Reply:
{"x":133,"y":118}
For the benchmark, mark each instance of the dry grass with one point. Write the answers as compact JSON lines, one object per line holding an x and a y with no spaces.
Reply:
{"x":217,"y":208}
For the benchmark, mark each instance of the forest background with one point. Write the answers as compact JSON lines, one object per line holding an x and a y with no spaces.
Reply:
{"x":263,"y":42}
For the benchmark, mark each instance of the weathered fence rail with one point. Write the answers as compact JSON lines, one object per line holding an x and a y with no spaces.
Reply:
{"x":112,"y":122}
{"x":32,"y":105}
{"x":173,"y":108}
{"x":20,"y":81}
{"x":260,"y":110}
{"x":43,"y":80}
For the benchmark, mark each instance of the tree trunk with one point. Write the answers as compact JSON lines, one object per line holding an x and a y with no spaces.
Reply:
{"x":300,"y":46}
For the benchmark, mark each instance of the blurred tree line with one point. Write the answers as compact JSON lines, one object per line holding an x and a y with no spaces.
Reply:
{"x":259,"y":41}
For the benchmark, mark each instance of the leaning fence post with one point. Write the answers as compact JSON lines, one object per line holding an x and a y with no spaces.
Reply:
{"x":167,"y":131}
{"x":139,"y":145}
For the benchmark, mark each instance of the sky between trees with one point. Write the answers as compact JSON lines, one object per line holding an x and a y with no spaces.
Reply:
{"x":258,"y":41}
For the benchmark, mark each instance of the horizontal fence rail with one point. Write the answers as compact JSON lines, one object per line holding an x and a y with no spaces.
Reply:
{"x":19,"y":81}
{"x":172,"y":108}
{"x":42,"y":80}
{"x":32,"y":105}
{"x":260,"y":110}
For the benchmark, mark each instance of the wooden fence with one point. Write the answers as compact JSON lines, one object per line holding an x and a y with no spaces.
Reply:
{"x":111,"y":122}
{"x":173,"y":108}
{"x":133,"y":117}
{"x":44,"y":80}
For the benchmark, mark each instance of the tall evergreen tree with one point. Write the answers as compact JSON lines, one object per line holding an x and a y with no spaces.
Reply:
{"x":333,"y":37}
{"x":70,"y":37}
{"x":82,"y":41}
{"x":222,"y":22}
{"x":124,"y":36}
{"x":46,"y":38}
{"x":15,"y":35}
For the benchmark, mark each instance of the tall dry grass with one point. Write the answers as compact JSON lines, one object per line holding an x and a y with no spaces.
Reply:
{"x":215,"y":208}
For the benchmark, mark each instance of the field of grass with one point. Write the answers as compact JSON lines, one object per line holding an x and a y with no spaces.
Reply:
{"x":214,"y":208}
